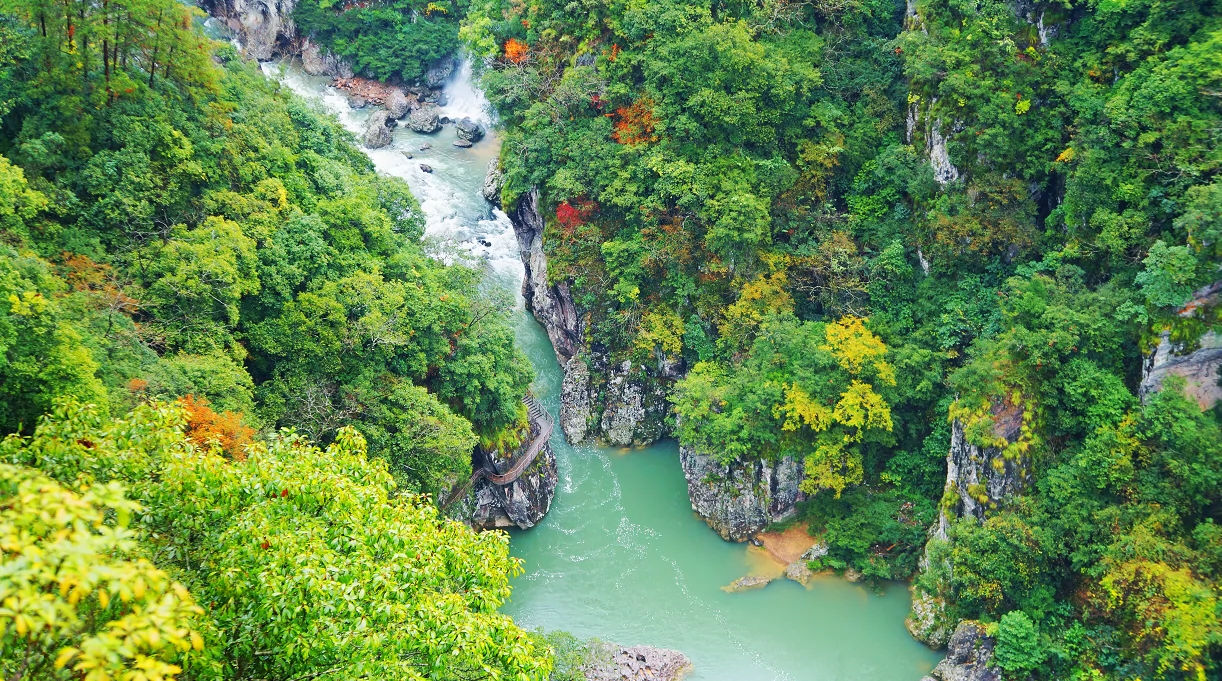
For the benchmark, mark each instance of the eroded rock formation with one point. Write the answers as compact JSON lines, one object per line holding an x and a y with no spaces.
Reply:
{"x":637,"y":663}
{"x":743,"y":498}
{"x":1197,"y":364}
{"x":264,"y":28}
{"x":967,"y":656}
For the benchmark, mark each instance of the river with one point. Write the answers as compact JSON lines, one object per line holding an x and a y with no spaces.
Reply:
{"x":621,"y":556}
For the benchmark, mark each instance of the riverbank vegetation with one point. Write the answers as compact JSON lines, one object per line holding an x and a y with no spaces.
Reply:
{"x":205,"y":291}
{"x":388,"y":41}
{"x":1008,"y":204}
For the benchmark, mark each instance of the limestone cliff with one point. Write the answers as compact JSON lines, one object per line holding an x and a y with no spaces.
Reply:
{"x":1198,"y":364}
{"x":967,"y":656}
{"x":521,"y":503}
{"x":614,"y":400}
{"x":978,"y":479}
{"x":743,"y":498}
{"x":264,"y":28}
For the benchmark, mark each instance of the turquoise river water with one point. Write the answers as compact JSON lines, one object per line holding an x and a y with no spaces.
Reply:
{"x":621,"y":556}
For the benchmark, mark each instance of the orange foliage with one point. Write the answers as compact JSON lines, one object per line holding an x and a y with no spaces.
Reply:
{"x":226,"y":429}
{"x":97,"y":279}
{"x":516,"y":50}
{"x":636,"y":123}
{"x":137,"y":384}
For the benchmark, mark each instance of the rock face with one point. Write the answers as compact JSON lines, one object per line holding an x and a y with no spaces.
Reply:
{"x":491,"y":190}
{"x":741,"y":499}
{"x":378,"y":130}
{"x":439,"y":72}
{"x":967,"y":656}
{"x":264,"y":28}
{"x":397,"y":104}
{"x":318,"y":61}
{"x":1198,"y":367}
{"x":424,"y":120}
{"x":927,"y":622}
{"x":638,"y":663}
{"x":623,"y":403}
{"x":747,"y":583}
{"x":981,"y":477}
{"x":469,"y":130}
{"x":522,"y":503}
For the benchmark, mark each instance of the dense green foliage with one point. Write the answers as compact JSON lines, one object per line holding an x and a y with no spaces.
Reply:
{"x":304,"y":563}
{"x":394,"y":40}
{"x":1017,"y":199}
{"x":187,"y":228}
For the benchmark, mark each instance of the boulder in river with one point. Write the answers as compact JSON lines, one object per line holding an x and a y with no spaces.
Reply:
{"x":462,"y":144}
{"x":747,"y":583}
{"x":469,"y":130}
{"x":424,"y":167}
{"x":396,"y":103}
{"x":637,"y":663}
{"x":491,"y":190}
{"x":439,"y":72}
{"x":798,"y":572}
{"x":426,"y":146}
{"x":424,"y":120}
{"x":377,"y":131}
{"x":742,"y":498}
{"x":967,"y":656}
{"x":358,"y":102}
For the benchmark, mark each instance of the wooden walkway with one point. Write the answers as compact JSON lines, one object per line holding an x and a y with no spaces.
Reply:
{"x":515,"y":469}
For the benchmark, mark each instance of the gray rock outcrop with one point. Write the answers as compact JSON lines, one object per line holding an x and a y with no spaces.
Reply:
{"x":928,"y":622}
{"x":319,"y":61}
{"x":982,"y":478}
{"x":551,"y":304}
{"x":469,"y":130}
{"x":747,"y":583}
{"x":1198,"y":365}
{"x":439,"y":72}
{"x":264,"y":28}
{"x":743,"y":498}
{"x":967,"y":656}
{"x":424,"y":120}
{"x":491,"y":191}
{"x":521,"y":503}
{"x":637,"y":663}
{"x":378,"y":130}
{"x":397,"y":104}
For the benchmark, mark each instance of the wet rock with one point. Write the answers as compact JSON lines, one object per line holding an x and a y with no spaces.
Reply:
{"x":407,"y":154}
{"x":396,"y":103}
{"x":743,"y":498}
{"x":852,"y":575}
{"x":799,"y":572}
{"x":357,"y":102}
{"x":424,"y":167}
{"x":491,"y":191}
{"x":377,"y":130}
{"x":319,"y":61}
{"x":426,"y":146}
{"x":967,"y":656}
{"x":462,"y":144}
{"x":747,"y":583}
{"x":469,"y":130}
{"x":424,"y":120}
{"x":637,"y":663}
{"x":439,"y":72}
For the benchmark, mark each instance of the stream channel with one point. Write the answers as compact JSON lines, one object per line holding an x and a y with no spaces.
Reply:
{"x":621,"y":556}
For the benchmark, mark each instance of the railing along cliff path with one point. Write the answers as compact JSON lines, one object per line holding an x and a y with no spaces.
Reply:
{"x":518,"y":465}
